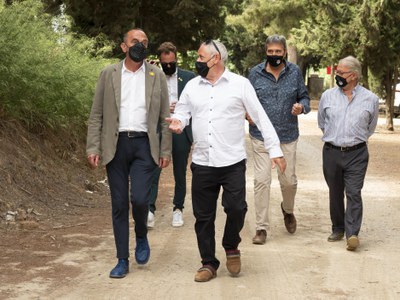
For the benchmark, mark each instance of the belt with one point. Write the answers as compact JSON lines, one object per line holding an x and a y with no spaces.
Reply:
{"x":346,"y":149}
{"x":133,"y":134}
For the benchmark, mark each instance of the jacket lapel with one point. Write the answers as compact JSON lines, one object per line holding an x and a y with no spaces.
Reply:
{"x":150,"y":76}
{"x":180,"y":82}
{"x":116,"y":79}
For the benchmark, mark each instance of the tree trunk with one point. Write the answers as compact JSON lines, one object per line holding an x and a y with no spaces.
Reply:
{"x":390,"y":80}
{"x":365,"y":76}
{"x":332,"y":82}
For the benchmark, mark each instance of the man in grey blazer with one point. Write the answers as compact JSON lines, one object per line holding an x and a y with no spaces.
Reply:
{"x":128,"y":112}
{"x":181,"y":143}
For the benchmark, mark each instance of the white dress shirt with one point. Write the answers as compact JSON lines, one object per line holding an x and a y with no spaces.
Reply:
{"x":172,"y":82}
{"x":133,"y":113}
{"x":218,"y":125}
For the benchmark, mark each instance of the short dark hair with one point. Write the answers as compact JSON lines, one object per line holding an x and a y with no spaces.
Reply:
{"x":276,"y":39}
{"x":126,"y":33}
{"x":166,"y":48}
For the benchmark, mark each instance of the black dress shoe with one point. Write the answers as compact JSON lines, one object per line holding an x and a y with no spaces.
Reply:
{"x":336,"y":236}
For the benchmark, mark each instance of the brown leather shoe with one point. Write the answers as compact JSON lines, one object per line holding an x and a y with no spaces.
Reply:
{"x":260,"y":238}
{"x":290,"y":221}
{"x":352,"y":243}
{"x":233,"y":263}
{"x":205,"y":273}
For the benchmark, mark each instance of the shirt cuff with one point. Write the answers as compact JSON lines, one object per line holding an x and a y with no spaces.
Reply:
{"x":275,"y":152}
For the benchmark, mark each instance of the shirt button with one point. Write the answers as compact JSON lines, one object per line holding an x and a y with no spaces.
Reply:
{"x":209,"y":121}
{"x":210,"y":109}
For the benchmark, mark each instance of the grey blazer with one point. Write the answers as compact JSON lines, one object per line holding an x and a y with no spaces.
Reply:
{"x":103,"y":124}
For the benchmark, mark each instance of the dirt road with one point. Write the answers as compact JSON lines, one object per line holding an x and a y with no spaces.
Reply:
{"x":299,"y":266}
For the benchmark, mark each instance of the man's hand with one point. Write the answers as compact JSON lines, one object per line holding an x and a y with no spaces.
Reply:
{"x":247,"y":117}
{"x":93,"y":160}
{"x":297,"y":109}
{"x":281,"y":162}
{"x":164,"y":162}
{"x":174,"y":125}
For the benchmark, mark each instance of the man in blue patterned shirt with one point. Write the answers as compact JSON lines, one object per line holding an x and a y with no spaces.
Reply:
{"x":347,"y":116}
{"x":280,"y":88}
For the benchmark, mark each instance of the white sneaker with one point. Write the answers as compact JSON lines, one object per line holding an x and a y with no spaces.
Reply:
{"x":177,"y":218}
{"x":150,"y":220}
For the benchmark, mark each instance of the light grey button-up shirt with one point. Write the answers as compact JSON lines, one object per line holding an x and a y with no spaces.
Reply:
{"x":347,"y":123}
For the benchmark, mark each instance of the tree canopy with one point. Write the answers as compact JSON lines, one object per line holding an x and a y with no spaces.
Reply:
{"x":319,"y":33}
{"x":183,"y":22}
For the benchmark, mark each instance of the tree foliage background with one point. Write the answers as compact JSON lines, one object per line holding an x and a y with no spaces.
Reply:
{"x":52,"y":50}
{"x":46,"y":77}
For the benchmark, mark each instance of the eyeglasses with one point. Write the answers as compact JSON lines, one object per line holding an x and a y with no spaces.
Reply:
{"x":340,"y":73}
{"x":209,"y":42}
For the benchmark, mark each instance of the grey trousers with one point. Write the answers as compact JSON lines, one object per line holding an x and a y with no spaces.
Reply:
{"x":344,"y":173}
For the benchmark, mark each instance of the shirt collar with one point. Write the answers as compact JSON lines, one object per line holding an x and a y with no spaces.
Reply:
{"x":354,"y":91}
{"x":225,"y":76}
{"x":284,"y":70}
{"x":141,"y":69}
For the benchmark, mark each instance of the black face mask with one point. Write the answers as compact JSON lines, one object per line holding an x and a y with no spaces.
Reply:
{"x":202,"y":68}
{"x":340,"y":81}
{"x":274,"y":60}
{"x":169,"y":68}
{"x":137,"y":52}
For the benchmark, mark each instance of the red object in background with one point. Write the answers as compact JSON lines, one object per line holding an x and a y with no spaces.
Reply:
{"x":328,"y":69}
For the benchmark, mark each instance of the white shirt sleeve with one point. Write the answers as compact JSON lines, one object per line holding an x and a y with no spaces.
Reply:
{"x":260,"y":118}
{"x":182,"y":109}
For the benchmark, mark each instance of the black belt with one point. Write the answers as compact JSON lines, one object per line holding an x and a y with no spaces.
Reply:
{"x":346,"y":149}
{"x":133,"y":134}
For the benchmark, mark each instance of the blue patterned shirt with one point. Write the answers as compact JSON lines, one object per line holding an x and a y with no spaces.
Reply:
{"x":347,"y":123}
{"x":277,"y":98}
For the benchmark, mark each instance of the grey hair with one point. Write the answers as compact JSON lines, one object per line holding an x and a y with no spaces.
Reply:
{"x":221,"y":49}
{"x":353,"y":64}
{"x":276,"y":39}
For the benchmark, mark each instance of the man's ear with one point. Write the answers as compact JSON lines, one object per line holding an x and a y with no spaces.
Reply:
{"x":124,"y":47}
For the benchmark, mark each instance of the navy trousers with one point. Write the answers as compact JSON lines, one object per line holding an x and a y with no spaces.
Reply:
{"x":344,"y":173}
{"x":132,"y":165}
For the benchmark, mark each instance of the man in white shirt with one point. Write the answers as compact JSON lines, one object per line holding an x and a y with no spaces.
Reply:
{"x":217,"y":101}
{"x":130,"y":104}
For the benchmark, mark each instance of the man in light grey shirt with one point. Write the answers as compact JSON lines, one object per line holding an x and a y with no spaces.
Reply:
{"x":347,"y":116}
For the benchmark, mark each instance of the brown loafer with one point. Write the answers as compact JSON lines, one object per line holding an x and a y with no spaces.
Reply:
{"x":233,"y":263}
{"x":290,"y":220}
{"x":352,"y":243}
{"x":260,"y":238}
{"x":205,"y":273}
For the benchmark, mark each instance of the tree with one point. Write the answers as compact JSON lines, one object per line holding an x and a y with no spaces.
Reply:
{"x":183,"y":22}
{"x":246,"y":32}
{"x":367,"y":29}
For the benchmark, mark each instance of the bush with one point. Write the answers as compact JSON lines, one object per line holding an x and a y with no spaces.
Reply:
{"x":47,"y":78}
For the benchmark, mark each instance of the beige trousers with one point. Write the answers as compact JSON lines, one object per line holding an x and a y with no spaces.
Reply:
{"x":262,"y":180}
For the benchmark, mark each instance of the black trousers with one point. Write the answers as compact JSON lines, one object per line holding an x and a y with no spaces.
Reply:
{"x":345,"y":173}
{"x":132,"y":162}
{"x":180,"y":154}
{"x":206,"y":185}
